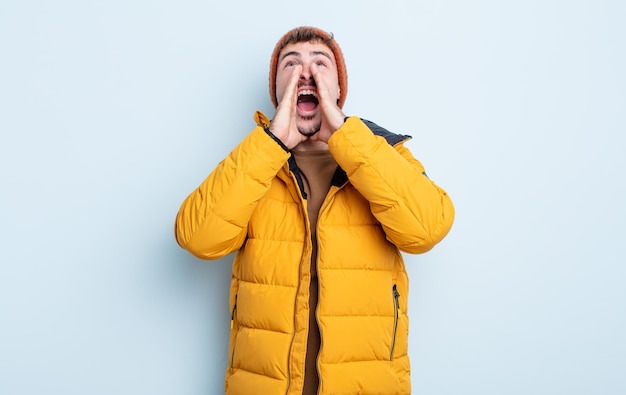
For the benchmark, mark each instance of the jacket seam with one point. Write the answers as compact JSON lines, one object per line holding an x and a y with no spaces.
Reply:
{"x":260,"y":329}
{"x":268,"y":284}
{"x":365,"y":360}
{"x":274,"y":240}
{"x":357,"y":315}
{"x":343,"y":225}
{"x":258,"y":374}
{"x":355,"y":268}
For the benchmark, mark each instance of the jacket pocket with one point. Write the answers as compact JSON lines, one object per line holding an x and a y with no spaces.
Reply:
{"x":396,"y":314}
{"x":234,"y":328}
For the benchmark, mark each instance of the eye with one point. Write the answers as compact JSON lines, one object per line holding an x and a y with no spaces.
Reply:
{"x":320,"y":63}
{"x":290,"y":63}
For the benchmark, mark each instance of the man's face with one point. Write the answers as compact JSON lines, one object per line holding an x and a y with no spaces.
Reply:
{"x":308,"y":112}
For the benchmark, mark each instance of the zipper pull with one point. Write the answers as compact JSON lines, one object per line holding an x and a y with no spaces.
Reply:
{"x":396,"y":296}
{"x":232,"y":314}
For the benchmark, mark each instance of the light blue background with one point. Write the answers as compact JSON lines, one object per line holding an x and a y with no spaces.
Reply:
{"x":112,"y":112}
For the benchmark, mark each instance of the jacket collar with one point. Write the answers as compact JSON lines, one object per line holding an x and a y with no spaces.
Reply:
{"x":392,"y":138}
{"x":340,"y":178}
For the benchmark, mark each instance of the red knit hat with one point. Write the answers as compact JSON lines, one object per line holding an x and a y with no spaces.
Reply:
{"x":307,"y":34}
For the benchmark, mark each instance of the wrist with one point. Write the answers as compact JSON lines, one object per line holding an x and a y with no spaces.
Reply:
{"x":338,"y":121}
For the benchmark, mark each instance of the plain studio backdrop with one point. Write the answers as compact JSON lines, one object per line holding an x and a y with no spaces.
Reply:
{"x":111,"y":113}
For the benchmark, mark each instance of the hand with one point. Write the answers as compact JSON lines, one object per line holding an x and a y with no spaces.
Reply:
{"x":283,"y":125}
{"x":331,"y":113}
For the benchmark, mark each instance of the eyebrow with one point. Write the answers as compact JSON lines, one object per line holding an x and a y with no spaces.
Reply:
{"x":312,"y":53}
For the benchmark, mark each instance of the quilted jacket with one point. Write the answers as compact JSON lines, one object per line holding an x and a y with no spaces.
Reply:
{"x":380,"y":203}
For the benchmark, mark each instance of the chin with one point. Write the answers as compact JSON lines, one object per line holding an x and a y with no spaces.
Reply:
{"x":309,"y":126}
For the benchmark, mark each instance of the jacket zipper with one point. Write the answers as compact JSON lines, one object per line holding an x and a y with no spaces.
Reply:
{"x":396,"y":312}
{"x":324,"y":205}
{"x":329,"y":197}
{"x":293,"y":336}
{"x":232,"y":324}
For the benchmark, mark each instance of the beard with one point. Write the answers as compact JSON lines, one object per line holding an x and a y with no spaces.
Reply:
{"x":310,"y":130}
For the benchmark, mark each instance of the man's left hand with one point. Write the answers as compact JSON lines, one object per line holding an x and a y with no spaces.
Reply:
{"x":331,"y":113}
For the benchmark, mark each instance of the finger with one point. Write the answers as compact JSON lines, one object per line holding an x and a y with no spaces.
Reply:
{"x":331,"y":113}
{"x":317,"y":77}
{"x":322,"y":87}
{"x":292,"y":86}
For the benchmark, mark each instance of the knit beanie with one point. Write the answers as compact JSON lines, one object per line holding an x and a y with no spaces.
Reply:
{"x":307,"y":34}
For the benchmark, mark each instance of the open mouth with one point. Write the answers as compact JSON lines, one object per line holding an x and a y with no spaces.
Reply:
{"x":307,"y":100}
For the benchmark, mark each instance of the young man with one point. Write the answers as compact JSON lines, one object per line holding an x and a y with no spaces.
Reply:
{"x":318,"y":207}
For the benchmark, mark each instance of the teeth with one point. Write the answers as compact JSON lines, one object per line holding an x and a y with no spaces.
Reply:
{"x":307,"y":92}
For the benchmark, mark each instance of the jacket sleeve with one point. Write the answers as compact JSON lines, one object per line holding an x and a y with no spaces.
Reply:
{"x":414,"y":212}
{"x":212,"y":222}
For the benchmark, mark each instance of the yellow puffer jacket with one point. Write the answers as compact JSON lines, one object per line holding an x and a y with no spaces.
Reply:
{"x":380,"y":202}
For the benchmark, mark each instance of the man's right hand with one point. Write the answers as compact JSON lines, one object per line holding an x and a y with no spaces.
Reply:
{"x":283,"y":125}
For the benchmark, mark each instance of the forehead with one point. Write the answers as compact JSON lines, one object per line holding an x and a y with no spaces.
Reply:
{"x":309,"y":48}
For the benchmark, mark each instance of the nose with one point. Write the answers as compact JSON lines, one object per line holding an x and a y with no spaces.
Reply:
{"x":306,"y":74}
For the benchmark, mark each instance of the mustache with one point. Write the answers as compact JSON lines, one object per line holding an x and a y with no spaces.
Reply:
{"x":308,"y":83}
